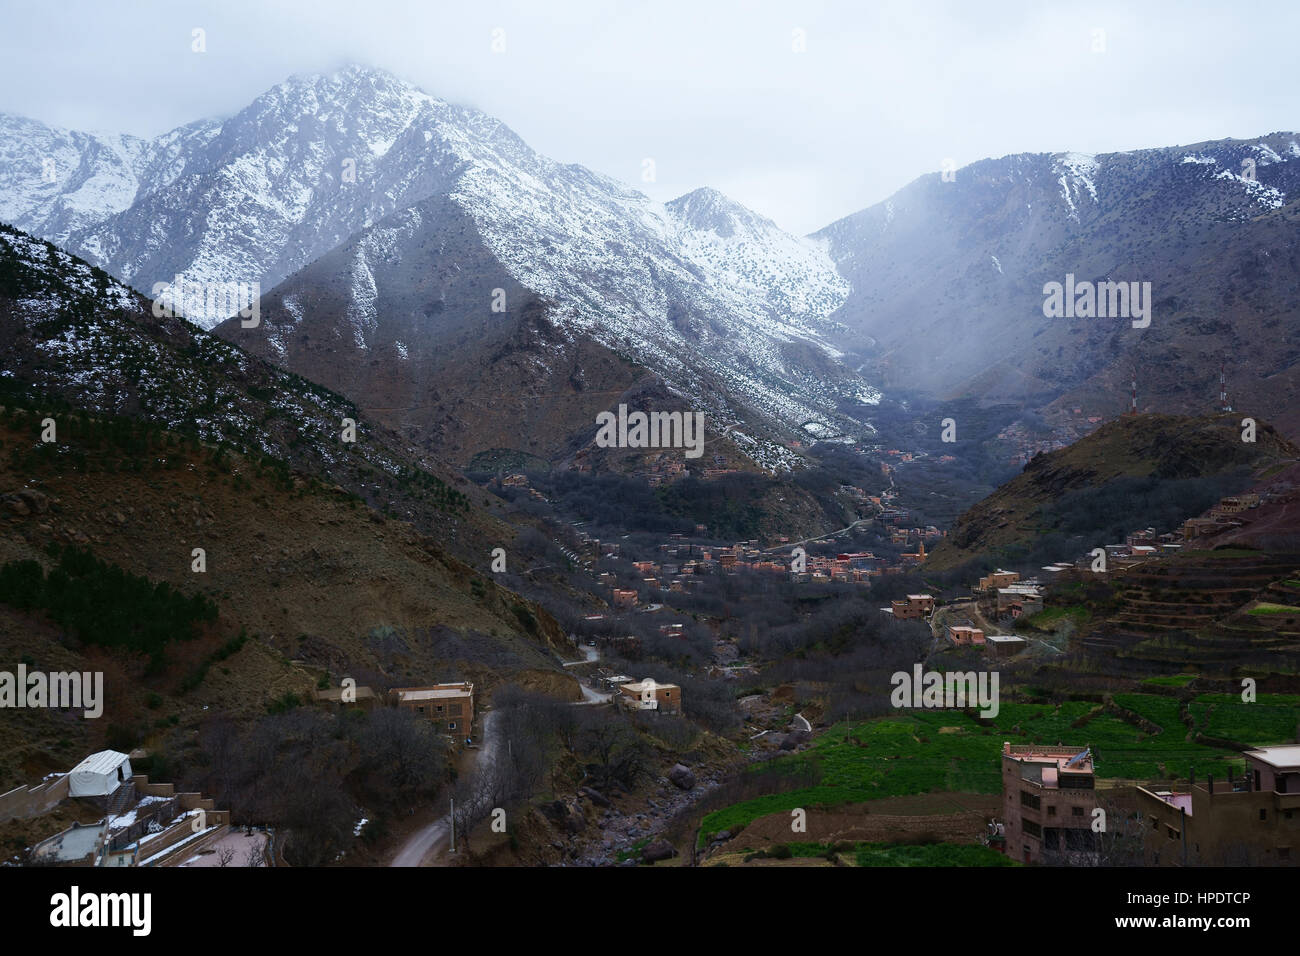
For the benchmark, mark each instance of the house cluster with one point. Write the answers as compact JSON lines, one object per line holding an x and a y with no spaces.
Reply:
{"x":1050,"y":804}
{"x":143,"y":824}
{"x":963,"y":633}
{"x":664,"y":467}
{"x":1251,"y":820}
{"x":1024,"y":446}
{"x":1003,"y":594}
{"x":850,"y":567}
{"x":1220,"y":517}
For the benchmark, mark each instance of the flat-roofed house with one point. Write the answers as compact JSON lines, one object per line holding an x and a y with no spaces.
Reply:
{"x":646,"y":694}
{"x":914,"y":606}
{"x":1004,"y":645}
{"x":964,"y":632}
{"x":1252,"y":820}
{"x":1048,"y":795}
{"x":449,"y":706}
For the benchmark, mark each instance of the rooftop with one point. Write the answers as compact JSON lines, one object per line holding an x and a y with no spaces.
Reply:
{"x":436,"y":692}
{"x":1063,"y":758}
{"x":106,"y":761}
{"x":1179,"y":801}
{"x":1285,"y":757}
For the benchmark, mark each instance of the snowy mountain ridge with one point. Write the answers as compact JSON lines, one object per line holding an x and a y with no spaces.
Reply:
{"x":698,"y":285}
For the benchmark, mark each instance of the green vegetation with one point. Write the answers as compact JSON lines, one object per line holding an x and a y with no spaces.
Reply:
{"x":100,"y":603}
{"x":1270,"y":719}
{"x":889,"y":854}
{"x":1176,"y":680}
{"x":957,"y":751}
{"x":1049,"y":617}
{"x":1162,"y":711}
{"x":633,"y":852}
{"x":933,"y":854}
{"x":1266,"y":608}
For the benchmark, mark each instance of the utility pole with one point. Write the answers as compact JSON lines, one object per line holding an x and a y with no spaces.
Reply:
{"x":452,"y":818}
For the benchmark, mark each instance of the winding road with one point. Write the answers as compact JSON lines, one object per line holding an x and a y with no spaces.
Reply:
{"x":421,"y":844}
{"x":430,"y":840}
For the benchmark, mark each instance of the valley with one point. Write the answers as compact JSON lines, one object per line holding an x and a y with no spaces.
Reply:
{"x":537,"y":522}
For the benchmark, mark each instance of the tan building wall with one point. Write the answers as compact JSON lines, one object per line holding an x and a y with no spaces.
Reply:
{"x":23,"y":802}
{"x":1253,"y":821}
{"x":453,"y":712}
{"x":1043,"y":817}
{"x":668,"y":697}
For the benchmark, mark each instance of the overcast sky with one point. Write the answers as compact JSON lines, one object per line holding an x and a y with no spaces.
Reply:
{"x":712,"y":91}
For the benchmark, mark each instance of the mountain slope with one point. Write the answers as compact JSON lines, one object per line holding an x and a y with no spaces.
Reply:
{"x":948,"y":278}
{"x":713,"y":298}
{"x":169,"y":439}
{"x":1130,"y":473}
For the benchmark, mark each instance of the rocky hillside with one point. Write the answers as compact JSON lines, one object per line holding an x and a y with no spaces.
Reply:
{"x":333,"y":558}
{"x":1131,"y":472}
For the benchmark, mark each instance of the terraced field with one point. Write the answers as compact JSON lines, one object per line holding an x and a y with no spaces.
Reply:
{"x":954,"y":751}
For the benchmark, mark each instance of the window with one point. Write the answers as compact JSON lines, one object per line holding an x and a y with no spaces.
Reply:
{"x":1076,"y":811}
{"x":452,"y":725}
{"x":1031,"y":828}
{"x":1284,"y":853}
{"x":1263,"y":814}
{"x":1155,"y":823}
{"x":1051,"y":811}
{"x":1030,"y":800}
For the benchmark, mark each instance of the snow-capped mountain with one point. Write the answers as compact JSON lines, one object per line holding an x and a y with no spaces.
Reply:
{"x":948,"y":276}
{"x":700,"y":290}
{"x":56,"y":183}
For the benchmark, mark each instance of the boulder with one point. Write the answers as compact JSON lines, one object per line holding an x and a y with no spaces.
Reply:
{"x":681,"y":777}
{"x":658,"y":850}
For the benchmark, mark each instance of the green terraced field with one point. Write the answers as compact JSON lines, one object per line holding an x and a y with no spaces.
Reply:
{"x":940,"y":750}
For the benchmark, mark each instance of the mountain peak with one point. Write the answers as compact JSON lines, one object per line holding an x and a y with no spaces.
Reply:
{"x":709,"y":210}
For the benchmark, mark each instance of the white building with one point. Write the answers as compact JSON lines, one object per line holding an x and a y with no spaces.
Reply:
{"x":99,"y":774}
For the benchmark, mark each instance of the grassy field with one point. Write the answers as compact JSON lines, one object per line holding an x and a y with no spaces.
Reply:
{"x":1159,"y":710}
{"x":899,"y":854}
{"x":1271,"y":719}
{"x":1175,"y":680}
{"x":941,"y":750}
{"x":1266,"y":608}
